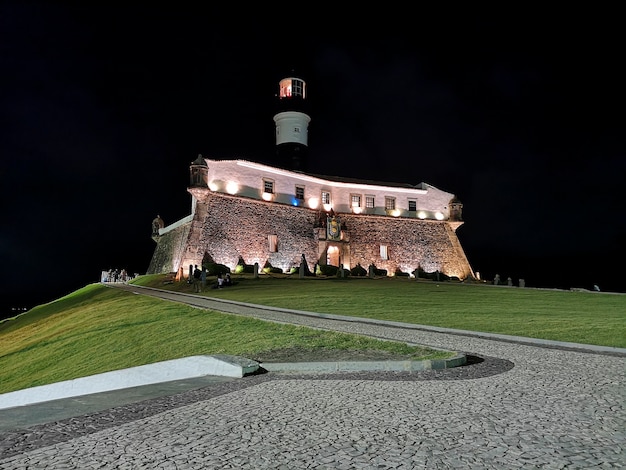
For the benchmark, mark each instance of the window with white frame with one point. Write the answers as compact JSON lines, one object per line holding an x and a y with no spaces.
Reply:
{"x":268,"y":186}
{"x":412,"y":205}
{"x":369,"y":202}
{"x":384,"y":254}
{"x":325,"y":197}
{"x":297,"y":87}
{"x":390,"y":203}
{"x":355,"y":201}
{"x":272,"y":241}
{"x":300,"y":193}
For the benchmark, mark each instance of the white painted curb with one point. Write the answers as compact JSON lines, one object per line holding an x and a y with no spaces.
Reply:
{"x":166,"y":371}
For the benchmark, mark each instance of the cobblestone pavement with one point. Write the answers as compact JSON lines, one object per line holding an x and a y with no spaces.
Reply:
{"x":515,"y":406}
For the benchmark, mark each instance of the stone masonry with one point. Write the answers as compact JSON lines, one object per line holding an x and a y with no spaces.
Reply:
{"x":228,"y":227}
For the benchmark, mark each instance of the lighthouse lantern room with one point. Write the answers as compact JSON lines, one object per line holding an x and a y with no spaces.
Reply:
{"x":292,"y":124}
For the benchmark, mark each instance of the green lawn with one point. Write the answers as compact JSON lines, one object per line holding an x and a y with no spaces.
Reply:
{"x":97,"y":329}
{"x":579,"y":317}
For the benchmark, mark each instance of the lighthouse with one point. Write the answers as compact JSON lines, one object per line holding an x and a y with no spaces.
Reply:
{"x":292,"y":124}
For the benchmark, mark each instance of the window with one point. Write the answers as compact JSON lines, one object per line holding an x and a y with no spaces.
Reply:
{"x":412,"y":205}
{"x":325,"y":197}
{"x":292,"y":87}
{"x":272,"y":241}
{"x":355,"y":200}
{"x":268,"y":186}
{"x":298,"y":87}
{"x":300,"y":193}
{"x":199,"y":176}
{"x":383,"y":252}
{"x":369,"y":202}
{"x":390,"y":203}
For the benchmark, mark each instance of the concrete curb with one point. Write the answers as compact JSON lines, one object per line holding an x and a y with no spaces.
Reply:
{"x":364,"y":366}
{"x":200,"y":366}
{"x":165,"y":371}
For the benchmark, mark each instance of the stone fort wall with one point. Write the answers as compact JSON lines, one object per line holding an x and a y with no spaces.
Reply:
{"x":229,"y":227}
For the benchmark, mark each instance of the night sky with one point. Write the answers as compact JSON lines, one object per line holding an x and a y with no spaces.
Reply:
{"x":103,"y":109}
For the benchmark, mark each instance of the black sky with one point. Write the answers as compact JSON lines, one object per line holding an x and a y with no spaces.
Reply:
{"x":104,"y":108}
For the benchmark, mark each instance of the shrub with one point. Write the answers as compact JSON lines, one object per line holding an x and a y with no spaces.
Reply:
{"x":268,"y":268}
{"x":400,"y":273}
{"x":358,"y":270}
{"x":244,"y":268}
{"x":378,"y":272}
{"x":434,"y":276}
{"x":346,"y":273}
{"x":207,"y":259}
{"x":326,"y":270}
{"x":213,"y":269}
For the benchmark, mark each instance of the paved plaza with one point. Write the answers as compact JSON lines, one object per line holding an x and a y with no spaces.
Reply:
{"x":516,"y":405}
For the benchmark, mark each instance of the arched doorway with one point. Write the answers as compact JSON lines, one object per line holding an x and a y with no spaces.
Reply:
{"x":332,"y":255}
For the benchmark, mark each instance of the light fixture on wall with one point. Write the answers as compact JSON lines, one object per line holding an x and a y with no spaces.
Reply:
{"x":232,"y":187}
{"x":267,"y":196}
{"x":313,"y":202}
{"x":438,"y":216}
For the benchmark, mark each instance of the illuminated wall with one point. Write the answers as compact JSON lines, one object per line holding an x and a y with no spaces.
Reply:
{"x":231,"y":226}
{"x":247,"y":179}
{"x":170,"y":250}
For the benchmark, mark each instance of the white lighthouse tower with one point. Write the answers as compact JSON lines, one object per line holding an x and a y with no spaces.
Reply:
{"x":292,"y":124}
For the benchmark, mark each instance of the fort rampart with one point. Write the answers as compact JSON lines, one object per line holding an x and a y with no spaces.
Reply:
{"x":232,"y":227}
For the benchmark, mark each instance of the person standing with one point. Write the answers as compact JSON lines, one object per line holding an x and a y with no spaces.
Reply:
{"x":197,"y":276}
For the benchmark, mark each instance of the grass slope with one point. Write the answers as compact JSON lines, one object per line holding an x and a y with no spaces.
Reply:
{"x":97,"y":329}
{"x":573,"y":316}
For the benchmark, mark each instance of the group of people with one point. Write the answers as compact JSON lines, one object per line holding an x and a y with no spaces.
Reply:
{"x":115,"y":275}
{"x":223,"y":281}
{"x":199,"y":279}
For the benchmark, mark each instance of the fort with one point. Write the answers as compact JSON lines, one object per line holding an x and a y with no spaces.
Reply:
{"x":276,"y":215}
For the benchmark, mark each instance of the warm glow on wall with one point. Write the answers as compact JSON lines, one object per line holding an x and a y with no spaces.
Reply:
{"x":232,"y":187}
{"x":395,"y":212}
{"x":328,"y":207}
{"x":334,"y":184}
{"x":438,"y":216}
{"x":267,"y":196}
{"x":213,"y":186}
{"x":357,"y":210}
{"x":313,"y":202}
{"x":421,"y":215}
